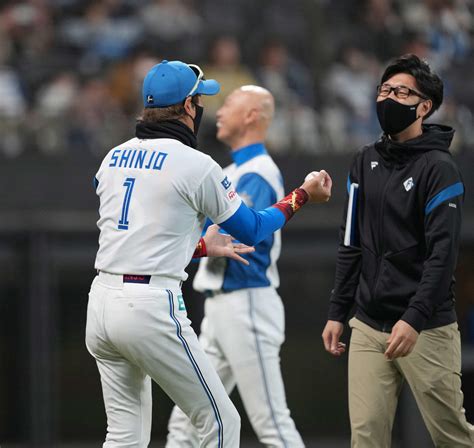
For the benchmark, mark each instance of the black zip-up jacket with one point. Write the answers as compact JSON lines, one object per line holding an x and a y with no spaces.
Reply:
{"x":408,"y":219}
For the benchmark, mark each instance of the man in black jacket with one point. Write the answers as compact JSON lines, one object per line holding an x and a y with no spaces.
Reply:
{"x":398,"y":267}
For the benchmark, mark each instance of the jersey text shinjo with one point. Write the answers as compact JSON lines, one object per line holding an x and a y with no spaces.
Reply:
{"x":136,"y":158}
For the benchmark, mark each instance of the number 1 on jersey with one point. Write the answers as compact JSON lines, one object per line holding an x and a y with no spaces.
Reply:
{"x":123,"y":221}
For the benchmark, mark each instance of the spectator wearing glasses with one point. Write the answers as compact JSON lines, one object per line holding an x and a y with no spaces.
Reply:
{"x":398,"y":267}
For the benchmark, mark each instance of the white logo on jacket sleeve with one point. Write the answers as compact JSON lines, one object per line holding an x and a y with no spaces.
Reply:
{"x":409,"y":184}
{"x":373,"y":164}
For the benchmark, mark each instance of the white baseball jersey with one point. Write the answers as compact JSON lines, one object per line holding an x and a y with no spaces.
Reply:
{"x":259,"y":183}
{"x":154,"y":197}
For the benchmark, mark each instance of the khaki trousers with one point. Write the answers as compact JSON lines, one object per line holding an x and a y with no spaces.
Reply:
{"x":433,"y":372}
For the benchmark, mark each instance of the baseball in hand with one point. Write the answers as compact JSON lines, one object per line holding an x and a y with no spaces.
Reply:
{"x":310,"y":175}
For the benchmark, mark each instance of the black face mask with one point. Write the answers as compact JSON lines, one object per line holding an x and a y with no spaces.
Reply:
{"x":394,"y":117}
{"x":197,"y":118}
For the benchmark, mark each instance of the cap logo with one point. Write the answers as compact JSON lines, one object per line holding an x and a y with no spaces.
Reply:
{"x":149,"y":99}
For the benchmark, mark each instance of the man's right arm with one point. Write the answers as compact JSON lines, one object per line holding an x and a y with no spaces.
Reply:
{"x":346,"y":281}
{"x":247,"y":225}
{"x":348,"y":265}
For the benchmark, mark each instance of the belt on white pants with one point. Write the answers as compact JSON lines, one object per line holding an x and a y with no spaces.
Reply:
{"x":155,"y":281}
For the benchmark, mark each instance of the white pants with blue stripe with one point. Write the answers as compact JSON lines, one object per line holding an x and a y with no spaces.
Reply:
{"x":242,"y":332}
{"x":139,"y":332}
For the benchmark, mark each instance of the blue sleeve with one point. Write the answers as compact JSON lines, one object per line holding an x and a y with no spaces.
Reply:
{"x":251,"y":227}
{"x":255,"y":191}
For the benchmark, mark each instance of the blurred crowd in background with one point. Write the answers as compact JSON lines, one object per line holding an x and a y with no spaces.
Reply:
{"x":71,"y":70}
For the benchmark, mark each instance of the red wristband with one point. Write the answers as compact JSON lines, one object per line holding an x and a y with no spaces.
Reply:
{"x":290,"y":204}
{"x":201,"y":250}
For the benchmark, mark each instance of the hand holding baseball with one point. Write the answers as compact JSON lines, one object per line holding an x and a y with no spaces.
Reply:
{"x":310,"y":175}
{"x":318,"y":185}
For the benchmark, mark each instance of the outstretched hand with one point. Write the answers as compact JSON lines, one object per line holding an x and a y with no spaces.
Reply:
{"x":220,"y":245}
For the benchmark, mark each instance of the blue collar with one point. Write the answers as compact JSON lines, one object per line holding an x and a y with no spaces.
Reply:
{"x":246,"y":153}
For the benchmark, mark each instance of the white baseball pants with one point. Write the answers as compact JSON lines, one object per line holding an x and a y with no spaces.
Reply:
{"x":141,"y":331}
{"x":242,"y":332}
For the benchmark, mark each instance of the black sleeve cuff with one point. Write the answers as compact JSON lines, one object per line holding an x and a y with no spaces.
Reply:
{"x":414,"y":318}
{"x":338,"y":311}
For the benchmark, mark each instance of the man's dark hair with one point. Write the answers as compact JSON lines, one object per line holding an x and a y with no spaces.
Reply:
{"x":157,"y":114}
{"x":428,"y":82}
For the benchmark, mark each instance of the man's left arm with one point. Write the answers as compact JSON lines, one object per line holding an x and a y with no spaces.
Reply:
{"x":443,"y":215}
{"x":442,"y":225}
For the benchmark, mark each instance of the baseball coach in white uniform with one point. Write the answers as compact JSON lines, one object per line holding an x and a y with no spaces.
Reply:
{"x":244,"y":322}
{"x":155,"y":191}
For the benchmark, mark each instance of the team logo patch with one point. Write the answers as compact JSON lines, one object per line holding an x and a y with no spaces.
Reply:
{"x":409,"y":184}
{"x":149,"y":99}
{"x":231,"y":194}
{"x":374,"y":164}
{"x":226,"y":183}
{"x":181,"y":306}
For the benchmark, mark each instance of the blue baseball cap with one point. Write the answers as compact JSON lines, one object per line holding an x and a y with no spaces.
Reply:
{"x":171,"y":82}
